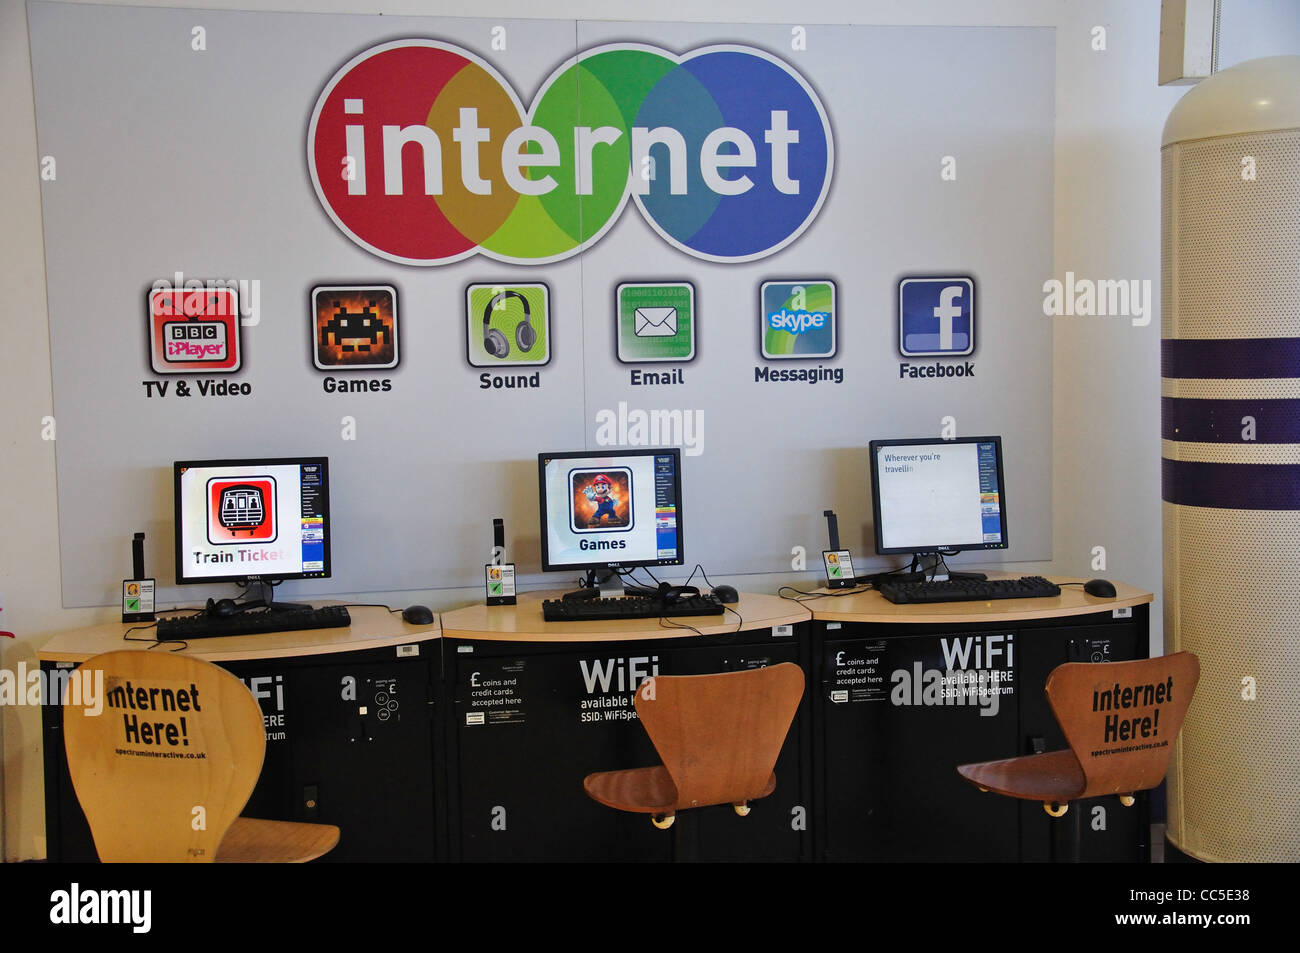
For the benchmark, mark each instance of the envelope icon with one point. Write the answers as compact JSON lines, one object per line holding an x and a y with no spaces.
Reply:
{"x":656,"y":322}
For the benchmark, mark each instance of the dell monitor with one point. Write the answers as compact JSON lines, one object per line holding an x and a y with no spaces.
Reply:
{"x":252,"y":521}
{"x":608,"y":511}
{"x":938,"y":496}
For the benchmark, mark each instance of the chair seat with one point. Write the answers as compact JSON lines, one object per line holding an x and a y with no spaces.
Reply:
{"x":644,"y":790}
{"x":1051,"y":776}
{"x":718,"y":738}
{"x":251,"y":840}
{"x":640,"y":790}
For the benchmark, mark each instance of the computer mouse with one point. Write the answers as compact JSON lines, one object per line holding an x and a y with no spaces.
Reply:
{"x":726,"y":594}
{"x":1101,"y":588}
{"x":418,"y":615}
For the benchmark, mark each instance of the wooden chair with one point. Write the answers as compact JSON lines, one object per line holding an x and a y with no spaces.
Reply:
{"x":718,"y":736}
{"x":164,"y":769}
{"x":1121,"y":720}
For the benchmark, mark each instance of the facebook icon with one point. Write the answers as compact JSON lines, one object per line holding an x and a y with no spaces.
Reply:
{"x":936,"y":316}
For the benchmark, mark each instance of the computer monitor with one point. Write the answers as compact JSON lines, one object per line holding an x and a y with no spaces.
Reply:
{"x":934,"y":496}
{"x":252,"y":520}
{"x":610,"y":510}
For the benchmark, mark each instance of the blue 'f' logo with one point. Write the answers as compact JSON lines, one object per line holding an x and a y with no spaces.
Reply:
{"x":936,"y":317}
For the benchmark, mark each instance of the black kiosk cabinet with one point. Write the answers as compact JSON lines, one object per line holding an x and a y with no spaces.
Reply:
{"x":905,"y":693}
{"x":535,"y":706}
{"x":351,"y":718}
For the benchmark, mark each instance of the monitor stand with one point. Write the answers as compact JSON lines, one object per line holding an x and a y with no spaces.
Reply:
{"x":604,"y":583}
{"x":261,"y":592}
{"x":932,"y":566}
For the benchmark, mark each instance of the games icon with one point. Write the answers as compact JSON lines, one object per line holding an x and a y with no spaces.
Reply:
{"x":354,"y":327}
{"x":601,"y":500}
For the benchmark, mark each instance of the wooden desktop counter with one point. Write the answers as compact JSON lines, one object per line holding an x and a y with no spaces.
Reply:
{"x":350,"y":730}
{"x":372,"y":628}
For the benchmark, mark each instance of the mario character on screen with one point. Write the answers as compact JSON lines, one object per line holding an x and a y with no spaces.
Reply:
{"x":602,"y":500}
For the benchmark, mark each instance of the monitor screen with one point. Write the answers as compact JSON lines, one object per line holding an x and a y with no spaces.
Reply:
{"x":611,"y":509}
{"x":252,"y":519}
{"x":930,"y":495}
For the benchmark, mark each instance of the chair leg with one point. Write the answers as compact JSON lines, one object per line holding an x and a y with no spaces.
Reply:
{"x":1067,"y":837}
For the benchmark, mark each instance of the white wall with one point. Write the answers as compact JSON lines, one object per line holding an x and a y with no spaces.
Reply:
{"x":1109,"y":114}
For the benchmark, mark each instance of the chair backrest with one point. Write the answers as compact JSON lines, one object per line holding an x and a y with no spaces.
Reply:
{"x":719,"y":735}
{"x":170,"y":760}
{"x":1122,"y":718}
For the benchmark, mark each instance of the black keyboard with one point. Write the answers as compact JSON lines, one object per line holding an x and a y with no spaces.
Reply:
{"x":968,"y":590}
{"x":253,"y":622}
{"x":628,"y":607}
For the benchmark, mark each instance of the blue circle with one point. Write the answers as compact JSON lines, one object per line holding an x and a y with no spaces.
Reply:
{"x":745,"y":91}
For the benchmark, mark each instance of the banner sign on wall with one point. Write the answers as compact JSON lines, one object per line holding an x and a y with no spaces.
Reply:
{"x":431,"y":248}
{"x":726,"y":151}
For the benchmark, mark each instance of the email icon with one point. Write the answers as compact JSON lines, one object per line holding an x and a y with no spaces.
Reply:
{"x":656,"y":322}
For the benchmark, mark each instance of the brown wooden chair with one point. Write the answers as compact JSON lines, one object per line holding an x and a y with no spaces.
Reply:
{"x":163,"y":770}
{"x":718,"y":736}
{"x":1121,"y":720}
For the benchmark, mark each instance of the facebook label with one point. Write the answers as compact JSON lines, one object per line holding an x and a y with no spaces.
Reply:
{"x":936,"y":316}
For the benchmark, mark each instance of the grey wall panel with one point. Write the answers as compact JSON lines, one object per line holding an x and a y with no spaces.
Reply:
{"x":171,"y":159}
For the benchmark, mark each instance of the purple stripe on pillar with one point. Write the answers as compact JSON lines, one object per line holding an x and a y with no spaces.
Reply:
{"x":1230,"y":358}
{"x":1231,"y":486}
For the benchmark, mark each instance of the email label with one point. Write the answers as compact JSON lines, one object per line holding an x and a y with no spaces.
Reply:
{"x":656,"y":322}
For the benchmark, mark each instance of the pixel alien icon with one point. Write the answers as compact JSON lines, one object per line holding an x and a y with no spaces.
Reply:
{"x":241,"y":510}
{"x":354,"y":327}
{"x":601,"y":500}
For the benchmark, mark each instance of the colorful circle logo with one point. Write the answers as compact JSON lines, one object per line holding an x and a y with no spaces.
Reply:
{"x":422,"y":153}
